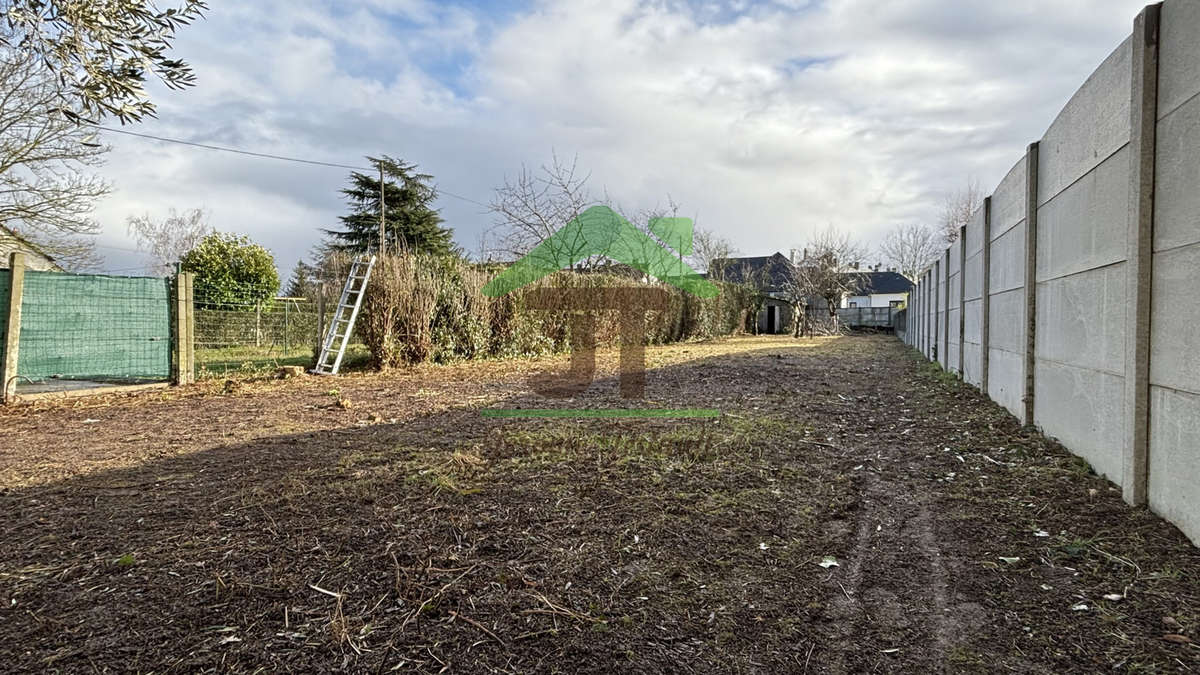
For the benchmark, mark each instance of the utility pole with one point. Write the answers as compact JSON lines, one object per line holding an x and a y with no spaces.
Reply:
{"x":382,"y":211}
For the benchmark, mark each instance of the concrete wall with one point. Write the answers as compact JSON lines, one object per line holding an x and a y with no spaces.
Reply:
{"x":953,"y":294}
{"x":1079,"y":275}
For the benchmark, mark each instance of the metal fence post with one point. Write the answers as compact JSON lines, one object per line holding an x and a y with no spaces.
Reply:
{"x":12,"y":336}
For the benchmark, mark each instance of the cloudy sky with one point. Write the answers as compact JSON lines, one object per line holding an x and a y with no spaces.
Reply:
{"x":764,"y":120}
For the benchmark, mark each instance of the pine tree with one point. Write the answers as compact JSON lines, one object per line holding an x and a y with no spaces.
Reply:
{"x":411,"y":222}
{"x":301,"y":285}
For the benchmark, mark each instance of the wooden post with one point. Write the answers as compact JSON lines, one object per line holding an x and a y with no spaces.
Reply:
{"x":12,"y":336}
{"x":320,"y":317}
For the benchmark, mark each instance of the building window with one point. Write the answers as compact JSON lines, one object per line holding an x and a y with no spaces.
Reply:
{"x":853,"y":305}
{"x":894,"y":304}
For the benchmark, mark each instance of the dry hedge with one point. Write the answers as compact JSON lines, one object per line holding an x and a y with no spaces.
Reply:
{"x":425,"y":308}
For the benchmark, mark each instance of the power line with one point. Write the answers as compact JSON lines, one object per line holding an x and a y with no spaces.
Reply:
{"x":264,"y":155}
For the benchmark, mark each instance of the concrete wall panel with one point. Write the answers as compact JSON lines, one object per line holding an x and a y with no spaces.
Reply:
{"x":1006,"y":380}
{"x":1008,"y":260}
{"x":975,"y":233}
{"x":1177,"y":178}
{"x":1175,"y":317}
{"x":1174,"y":492}
{"x":1008,"y":321}
{"x":1093,"y":125}
{"x":1178,"y":55}
{"x":1081,"y":320}
{"x":1085,"y":226}
{"x":972,"y":369}
{"x":1085,"y":410}
{"x":1008,"y":201}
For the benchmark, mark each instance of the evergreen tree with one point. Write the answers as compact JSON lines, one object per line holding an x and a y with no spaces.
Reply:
{"x":302,"y":284}
{"x":411,"y":222}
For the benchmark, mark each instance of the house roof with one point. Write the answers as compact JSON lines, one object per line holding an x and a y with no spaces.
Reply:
{"x":11,"y":242}
{"x":764,"y":272}
{"x":871,"y":283}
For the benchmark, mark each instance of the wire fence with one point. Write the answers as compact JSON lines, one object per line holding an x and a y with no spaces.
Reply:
{"x":244,"y":329}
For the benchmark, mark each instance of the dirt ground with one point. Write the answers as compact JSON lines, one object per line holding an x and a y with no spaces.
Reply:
{"x":375,"y":523}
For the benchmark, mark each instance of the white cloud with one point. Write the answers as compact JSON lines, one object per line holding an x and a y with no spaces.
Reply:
{"x":765,"y":120}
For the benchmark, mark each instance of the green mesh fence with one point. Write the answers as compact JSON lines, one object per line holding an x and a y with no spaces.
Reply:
{"x":90,"y":327}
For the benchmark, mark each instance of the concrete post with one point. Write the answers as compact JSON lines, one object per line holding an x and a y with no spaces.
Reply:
{"x":962,"y":301}
{"x":189,"y":326}
{"x":12,"y":335}
{"x":985,"y":302}
{"x":178,"y":315}
{"x":929,"y":326}
{"x":936,"y":290}
{"x":945,"y":308}
{"x":1140,"y":258}
{"x":1031,"y":220}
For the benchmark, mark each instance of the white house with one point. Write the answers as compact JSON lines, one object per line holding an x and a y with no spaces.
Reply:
{"x":879,"y":289}
{"x":35,"y":259}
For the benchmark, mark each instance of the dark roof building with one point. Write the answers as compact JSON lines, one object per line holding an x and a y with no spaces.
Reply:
{"x":766,"y":272}
{"x":879,"y":283}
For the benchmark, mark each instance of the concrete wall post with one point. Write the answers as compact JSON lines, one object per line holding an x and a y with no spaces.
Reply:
{"x":12,"y":336}
{"x":1140,"y":258}
{"x":1031,"y":219}
{"x":189,"y":327}
{"x":962,"y":301}
{"x":985,"y":302}
{"x":178,"y":333}
{"x":945,"y":308}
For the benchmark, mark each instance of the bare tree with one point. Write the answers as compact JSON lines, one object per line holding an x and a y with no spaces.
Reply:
{"x":959,"y":208}
{"x":534,"y":205}
{"x":167,"y":240}
{"x":707,"y":247}
{"x":47,"y":190}
{"x":828,"y":273}
{"x":910,"y":248}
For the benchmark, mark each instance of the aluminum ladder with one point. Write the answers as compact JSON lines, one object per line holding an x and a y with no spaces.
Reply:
{"x":337,"y":336}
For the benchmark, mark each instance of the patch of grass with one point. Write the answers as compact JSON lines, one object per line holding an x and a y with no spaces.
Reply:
{"x":251,"y":362}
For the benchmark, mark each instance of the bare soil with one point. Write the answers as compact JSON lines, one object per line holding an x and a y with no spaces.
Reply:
{"x":379,"y":523}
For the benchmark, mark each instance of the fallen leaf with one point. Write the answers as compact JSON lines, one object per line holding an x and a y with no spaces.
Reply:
{"x":1114,"y":597}
{"x":828,"y":561}
{"x":1047,"y":587}
{"x":1177,"y":639}
{"x":1010,"y":561}
{"x":1170,"y":621}
{"x":889,"y":651}
{"x":1041,"y":533}
{"x":1081,"y":607}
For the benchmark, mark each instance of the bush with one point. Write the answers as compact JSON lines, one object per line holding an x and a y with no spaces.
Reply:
{"x":424,"y":308}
